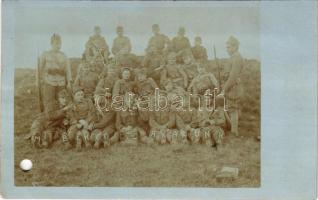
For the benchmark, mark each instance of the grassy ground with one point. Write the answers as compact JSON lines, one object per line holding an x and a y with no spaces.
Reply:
{"x":140,"y":166}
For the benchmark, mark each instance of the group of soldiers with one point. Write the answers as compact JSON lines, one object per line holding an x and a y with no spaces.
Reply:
{"x":71,"y":110}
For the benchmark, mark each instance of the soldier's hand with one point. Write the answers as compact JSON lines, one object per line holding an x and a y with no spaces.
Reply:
{"x":78,"y":125}
{"x":67,"y":107}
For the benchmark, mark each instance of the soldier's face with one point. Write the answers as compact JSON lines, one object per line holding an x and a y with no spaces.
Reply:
{"x":120,"y":32}
{"x":141,"y":77}
{"x":172,"y":60}
{"x":230,"y":49}
{"x":56,"y":44}
{"x":155,"y":30}
{"x":79,"y":96}
{"x":126,"y":74}
{"x":62,"y":101}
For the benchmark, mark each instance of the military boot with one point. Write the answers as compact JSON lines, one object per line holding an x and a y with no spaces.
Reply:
{"x":106,"y":140}
{"x":78,"y":142}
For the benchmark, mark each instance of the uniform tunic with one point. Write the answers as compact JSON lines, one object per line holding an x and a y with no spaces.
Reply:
{"x":199,"y":53}
{"x":159,"y":41}
{"x":87,"y":79}
{"x":121,"y":43}
{"x":232,"y":87}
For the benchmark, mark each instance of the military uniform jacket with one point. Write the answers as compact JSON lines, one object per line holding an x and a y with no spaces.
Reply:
{"x":87,"y":80}
{"x":174,"y":73}
{"x":105,"y":83}
{"x":159,"y":42}
{"x":106,"y":120}
{"x":232,"y":88}
{"x":121,"y":87}
{"x":219,"y":117}
{"x":180,"y":43}
{"x":54,"y":68}
{"x":99,"y":42}
{"x":126,"y":118}
{"x":184,"y":118}
{"x":162,"y":117}
{"x":203,"y":82}
{"x":120,"y":43}
{"x":82,"y":110}
{"x":146,"y":87}
{"x":199,"y":53}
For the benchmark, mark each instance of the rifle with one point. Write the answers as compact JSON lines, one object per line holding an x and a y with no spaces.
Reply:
{"x":39,"y":86}
{"x":218,"y":66}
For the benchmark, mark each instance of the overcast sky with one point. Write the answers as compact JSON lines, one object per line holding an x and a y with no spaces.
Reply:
{"x":74,"y":21}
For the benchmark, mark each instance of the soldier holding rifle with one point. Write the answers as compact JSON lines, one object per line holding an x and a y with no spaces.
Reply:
{"x":54,"y":74}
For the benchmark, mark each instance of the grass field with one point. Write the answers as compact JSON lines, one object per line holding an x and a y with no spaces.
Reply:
{"x":140,"y":166}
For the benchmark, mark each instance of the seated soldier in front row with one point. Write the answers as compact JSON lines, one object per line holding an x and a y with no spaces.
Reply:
{"x":48,"y":127}
{"x":161,"y":122}
{"x":128,"y":129}
{"x":81,"y":116}
{"x":104,"y":127}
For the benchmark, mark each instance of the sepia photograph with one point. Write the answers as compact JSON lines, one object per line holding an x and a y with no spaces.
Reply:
{"x":137,"y":95}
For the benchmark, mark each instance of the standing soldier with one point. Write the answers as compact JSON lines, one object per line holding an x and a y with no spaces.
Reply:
{"x":159,"y":41}
{"x":232,"y":88}
{"x":121,"y":50}
{"x":199,"y":51}
{"x":180,"y":43}
{"x":98,"y":45}
{"x":121,"y":44}
{"x":54,"y":74}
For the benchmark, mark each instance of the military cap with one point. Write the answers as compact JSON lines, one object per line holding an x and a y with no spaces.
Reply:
{"x":56,"y":37}
{"x":233,"y":41}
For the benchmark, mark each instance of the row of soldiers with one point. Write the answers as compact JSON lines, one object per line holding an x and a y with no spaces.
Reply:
{"x":72,"y":111}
